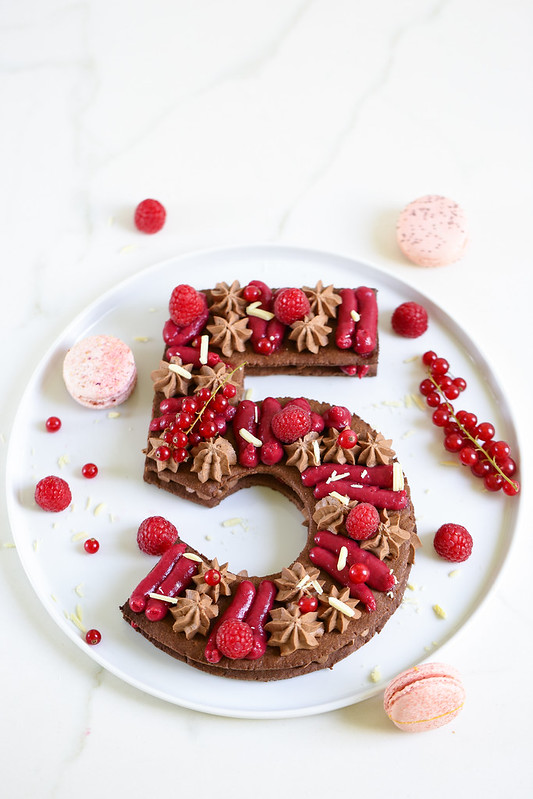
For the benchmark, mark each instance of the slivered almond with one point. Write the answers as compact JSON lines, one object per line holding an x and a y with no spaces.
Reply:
{"x":342,"y":607}
{"x":179,"y":370}
{"x":254,"y":310}
{"x":250,"y":438}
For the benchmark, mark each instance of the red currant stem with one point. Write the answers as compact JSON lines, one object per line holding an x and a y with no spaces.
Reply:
{"x":200,"y":413}
{"x":468,"y":435}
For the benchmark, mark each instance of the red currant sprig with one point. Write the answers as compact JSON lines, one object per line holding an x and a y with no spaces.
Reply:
{"x":205,"y":416}
{"x":473,"y":442}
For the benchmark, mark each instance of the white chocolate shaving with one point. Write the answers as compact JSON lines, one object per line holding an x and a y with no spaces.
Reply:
{"x":341,"y":562}
{"x":250,"y":438}
{"x":440,"y":612}
{"x":316,"y":585}
{"x":355,"y":316}
{"x":204,"y":346}
{"x":113,"y":414}
{"x":316,"y":452}
{"x":192,"y":556}
{"x":341,"y":497}
{"x":231,"y":522}
{"x":305,"y":579}
{"x":171,"y":599}
{"x":254,"y":310}
{"x":398,"y":483}
{"x":179,"y":370}
{"x":342,"y":607}
{"x":334,"y":476}
{"x":99,"y":508}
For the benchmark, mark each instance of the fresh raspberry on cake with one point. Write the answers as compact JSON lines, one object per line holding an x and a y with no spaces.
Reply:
{"x":234,"y":639}
{"x":185,"y":305}
{"x":291,"y":423}
{"x":291,"y":305}
{"x":150,"y":216}
{"x":362,"y":522}
{"x":155,"y":535}
{"x":53,"y":494}
{"x":410,"y":320}
{"x":453,"y":542}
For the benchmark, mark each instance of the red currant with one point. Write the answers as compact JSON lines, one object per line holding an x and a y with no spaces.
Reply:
{"x":500,"y":449}
{"x":481,"y":469}
{"x":93,"y":637}
{"x":467,"y":419}
{"x":219,"y":403}
{"x":194,"y":438}
{"x":221,"y":424}
{"x":229,"y":390}
{"x":89,"y":470}
{"x":454,"y":442}
{"x":445,"y":382}
{"x":485,"y":431}
{"x":53,"y":423}
{"x":184,"y":420}
{"x":493,"y":482}
{"x":468,"y":456}
{"x":452,"y":392}
{"x":308,"y":604}
{"x":428,"y":357}
{"x":189,"y":405}
{"x":439,"y":367}
{"x":162,"y":453}
{"x":433,"y":400}
{"x":230,"y":412}
{"x":359,"y":573}
{"x":208,"y":415}
{"x":264,"y":346}
{"x":91,"y":546}
{"x":347,"y":439}
{"x":179,"y":439}
{"x":204,"y":395}
{"x":251,"y":293}
{"x":460,"y":382}
{"x":212,"y":577}
{"x":426,"y":387}
{"x":207,"y":429}
{"x":511,"y":489}
{"x":507,"y":465}
{"x":180,"y":454}
{"x":441,"y":416}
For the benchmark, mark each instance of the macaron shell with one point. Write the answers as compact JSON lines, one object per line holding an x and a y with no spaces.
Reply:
{"x":431,"y":231}
{"x":424,"y":698}
{"x":100,"y":372}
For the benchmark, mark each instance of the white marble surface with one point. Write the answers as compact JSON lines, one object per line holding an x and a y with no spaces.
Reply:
{"x":298,"y":122}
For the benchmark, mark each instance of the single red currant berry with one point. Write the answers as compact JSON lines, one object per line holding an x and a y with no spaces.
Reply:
{"x":468,"y":456}
{"x":481,"y":469}
{"x":230,"y":412}
{"x":454,"y":442}
{"x":485,"y":431}
{"x":467,"y":419}
{"x":441,"y":417}
{"x":439,"y":367}
{"x":426,"y":387}
{"x":251,"y":293}
{"x":452,"y":427}
{"x":89,"y":470}
{"x":221,"y":424}
{"x":229,"y":390}
{"x":493,"y":482}
{"x":194,"y":438}
{"x":507,"y":465}
{"x":433,"y":400}
{"x":445,"y":382}
{"x":93,"y":637}
{"x":184,"y":420}
{"x":189,"y":405}
{"x":180,"y":454}
{"x":207,"y":429}
{"x":428,"y":357}
{"x":511,"y":488}
{"x":451,"y":392}
{"x":460,"y":382}
{"x":308,"y":604}
{"x":204,"y":395}
{"x":91,"y":546}
{"x":347,"y":439}
{"x":212,"y":577}
{"x":179,"y":439}
{"x":219,"y":403}
{"x":53,"y":423}
{"x":500,"y":449}
{"x":264,"y":346}
{"x":359,"y":573}
{"x":162,"y":453}
{"x":208,"y":415}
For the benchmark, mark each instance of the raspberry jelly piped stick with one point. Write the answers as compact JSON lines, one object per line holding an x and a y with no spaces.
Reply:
{"x":379,"y":497}
{"x":380,"y":476}
{"x":380,"y":576}
{"x":192,"y":355}
{"x":240,"y":605}
{"x":327,"y":561}
{"x":154,"y":578}
{"x":367,"y":327}
{"x":275,"y":333}
{"x":175,"y":336}
{"x":272,"y":450}
{"x":245,"y":420}
{"x":345,"y":320}
{"x":257,"y":325}
{"x":261,"y":607}
{"x":173,"y":585}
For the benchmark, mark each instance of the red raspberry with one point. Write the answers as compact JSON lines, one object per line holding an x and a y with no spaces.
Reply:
{"x":453,"y":542}
{"x":362,"y":522}
{"x":186,"y":304}
{"x":291,"y":305}
{"x":410,"y":320}
{"x":155,"y":535}
{"x":149,"y":216}
{"x":291,"y":423}
{"x":234,"y":639}
{"x":53,"y":494}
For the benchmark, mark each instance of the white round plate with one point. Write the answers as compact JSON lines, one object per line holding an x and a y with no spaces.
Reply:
{"x":74,"y":586}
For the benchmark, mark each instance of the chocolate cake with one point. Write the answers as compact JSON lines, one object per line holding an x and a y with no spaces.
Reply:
{"x":206,"y":442}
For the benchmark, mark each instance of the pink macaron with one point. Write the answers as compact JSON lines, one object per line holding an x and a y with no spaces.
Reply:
{"x":431,"y":231}
{"x":424,"y":697}
{"x":100,"y":372}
